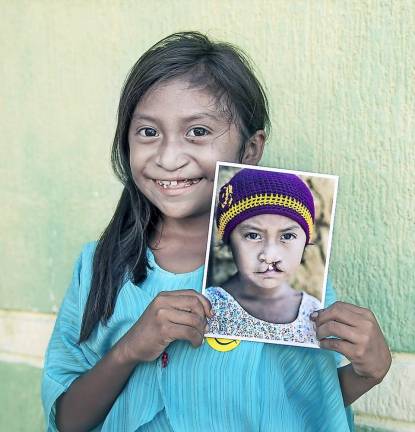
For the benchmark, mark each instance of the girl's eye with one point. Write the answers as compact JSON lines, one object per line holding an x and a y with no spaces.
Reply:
{"x":288,"y":236}
{"x":252,"y":236}
{"x":147,"y":132}
{"x":197,"y":132}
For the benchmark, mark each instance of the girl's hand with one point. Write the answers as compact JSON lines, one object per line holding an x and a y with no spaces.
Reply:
{"x":360,"y":338}
{"x":170,"y":316}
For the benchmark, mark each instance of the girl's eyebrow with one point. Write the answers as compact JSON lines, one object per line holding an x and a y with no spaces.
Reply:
{"x":249,"y":226}
{"x":138,"y":116}
{"x":196,"y":116}
{"x":290,"y":228}
{"x":201,"y":115}
{"x":255,"y":227}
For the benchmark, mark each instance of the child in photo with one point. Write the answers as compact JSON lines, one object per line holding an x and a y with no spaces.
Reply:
{"x":267,"y":219}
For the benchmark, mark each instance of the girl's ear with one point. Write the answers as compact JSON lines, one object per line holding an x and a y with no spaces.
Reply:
{"x":254,"y":148}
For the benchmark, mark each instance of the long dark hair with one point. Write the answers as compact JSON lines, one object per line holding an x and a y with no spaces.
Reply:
{"x":226,"y":72}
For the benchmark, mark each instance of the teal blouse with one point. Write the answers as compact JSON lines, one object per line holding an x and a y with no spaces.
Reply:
{"x":255,"y":387}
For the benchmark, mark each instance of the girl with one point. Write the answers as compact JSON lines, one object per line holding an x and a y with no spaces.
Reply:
{"x":126,"y":353}
{"x":267,"y":219}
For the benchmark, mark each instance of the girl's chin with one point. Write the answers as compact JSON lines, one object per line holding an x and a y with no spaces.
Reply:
{"x":270,"y":282}
{"x":271,"y":277}
{"x":183,"y":212}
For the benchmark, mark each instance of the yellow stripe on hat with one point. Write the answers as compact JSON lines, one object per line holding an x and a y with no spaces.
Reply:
{"x":260,"y":200}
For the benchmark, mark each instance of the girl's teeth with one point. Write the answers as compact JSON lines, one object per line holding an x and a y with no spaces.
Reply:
{"x":172,"y":184}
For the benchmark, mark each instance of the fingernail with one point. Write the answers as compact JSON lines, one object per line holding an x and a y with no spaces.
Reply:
{"x":314,"y":315}
{"x":207,"y":328}
{"x":212,"y":312}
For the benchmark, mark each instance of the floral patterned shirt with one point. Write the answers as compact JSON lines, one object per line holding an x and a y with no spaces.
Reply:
{"x":231,"y":320}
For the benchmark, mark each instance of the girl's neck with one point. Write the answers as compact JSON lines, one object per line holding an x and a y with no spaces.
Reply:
{"x":279,"y":305}
{"x":179,"y":245}
{"x":242,"y":290}
{"x":181,"y":230}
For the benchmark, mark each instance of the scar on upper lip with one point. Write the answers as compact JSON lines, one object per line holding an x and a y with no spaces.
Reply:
{"x":273,"y":266}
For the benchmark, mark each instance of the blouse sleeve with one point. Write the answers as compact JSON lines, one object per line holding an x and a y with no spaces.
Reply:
{"x":340,"y":359}
{"x":330,"y":294}
{"x":329,"y":300}
{"x":65,"y":360}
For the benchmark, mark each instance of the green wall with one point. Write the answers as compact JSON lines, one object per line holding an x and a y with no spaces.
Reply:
{"x":19,"y":398}
{"x":340,"y":78}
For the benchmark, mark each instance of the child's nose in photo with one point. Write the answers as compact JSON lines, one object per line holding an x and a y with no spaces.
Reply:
{"x":270,"y":255}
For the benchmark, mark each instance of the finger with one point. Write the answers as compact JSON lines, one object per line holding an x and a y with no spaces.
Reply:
{"x":347,"y":306}
{"x":182,"y":301}
{"x":339,"y":330}
{"x":189,"y":304}
{"x":191,"y":293}
{"x":184,"y":332}
{"x":353,"y":308}
{"x":341,"y":346}
{"x":337,"y":312}
{"x":189,"y":319}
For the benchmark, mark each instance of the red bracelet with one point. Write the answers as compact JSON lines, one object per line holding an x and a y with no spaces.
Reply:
{"x":164,"y":359}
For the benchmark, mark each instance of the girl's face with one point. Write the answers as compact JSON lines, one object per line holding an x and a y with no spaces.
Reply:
{"x":267,"y":249}
{"x":176,"y":136}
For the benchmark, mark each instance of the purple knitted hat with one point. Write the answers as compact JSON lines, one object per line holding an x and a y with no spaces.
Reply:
{"x":252,"y":192}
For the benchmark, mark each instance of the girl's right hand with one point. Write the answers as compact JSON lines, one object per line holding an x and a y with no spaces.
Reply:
{"x":172,"y":315}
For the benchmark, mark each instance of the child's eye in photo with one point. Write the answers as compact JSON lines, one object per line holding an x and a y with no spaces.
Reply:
{"x":147,"y":132}
{"x":253,"y":236}
{"x":288,"y":236}
{"x":198,"y":132}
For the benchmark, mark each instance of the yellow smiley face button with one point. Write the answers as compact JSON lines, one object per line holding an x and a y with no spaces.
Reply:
{"x":223,"y":345}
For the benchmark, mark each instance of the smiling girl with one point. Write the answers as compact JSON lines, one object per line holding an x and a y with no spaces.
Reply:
{"x":126,"y":353}
{"x":267,"y":219}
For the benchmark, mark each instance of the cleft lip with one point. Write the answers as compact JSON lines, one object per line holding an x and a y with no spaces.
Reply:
{"x":275,"y":268}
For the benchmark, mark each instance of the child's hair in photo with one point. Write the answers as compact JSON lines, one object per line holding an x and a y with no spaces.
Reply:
{"x":218,"y":67}
{"x":310,"y":275}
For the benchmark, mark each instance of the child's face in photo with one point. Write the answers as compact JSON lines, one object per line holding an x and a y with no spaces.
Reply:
{"x":176,"y":136}
{"x":267,"y":249}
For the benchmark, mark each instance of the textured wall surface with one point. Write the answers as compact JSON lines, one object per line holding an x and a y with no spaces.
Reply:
{"x":340,"y":78}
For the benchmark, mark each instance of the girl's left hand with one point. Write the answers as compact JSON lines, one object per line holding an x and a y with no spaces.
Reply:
{"x":359,"y":338}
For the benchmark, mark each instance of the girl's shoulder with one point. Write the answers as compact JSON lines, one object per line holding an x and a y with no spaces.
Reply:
{"x":86,"y":256}
{"x":84,"y":264}
{"x":221,"y":300}
{"x":216,"y":293}
{"x":310,"y":302}
{"x":76,"y":295}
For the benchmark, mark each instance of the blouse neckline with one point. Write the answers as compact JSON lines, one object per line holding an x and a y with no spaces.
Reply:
{"x":244,"y":312}
{"x":152,"y":261}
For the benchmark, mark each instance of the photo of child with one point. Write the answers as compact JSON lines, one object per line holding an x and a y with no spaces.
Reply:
{"x":266,"y":220}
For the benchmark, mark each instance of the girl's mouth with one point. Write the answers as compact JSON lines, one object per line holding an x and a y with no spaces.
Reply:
{"x":177,"y":184}
{"x":272,"y":268}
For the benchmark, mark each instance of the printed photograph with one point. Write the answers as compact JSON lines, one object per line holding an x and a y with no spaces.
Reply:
{"x":268,"y":253}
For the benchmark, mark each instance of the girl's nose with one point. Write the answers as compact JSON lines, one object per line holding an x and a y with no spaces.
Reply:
{"x":171,"y":156}
{"x":270,"y":254}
